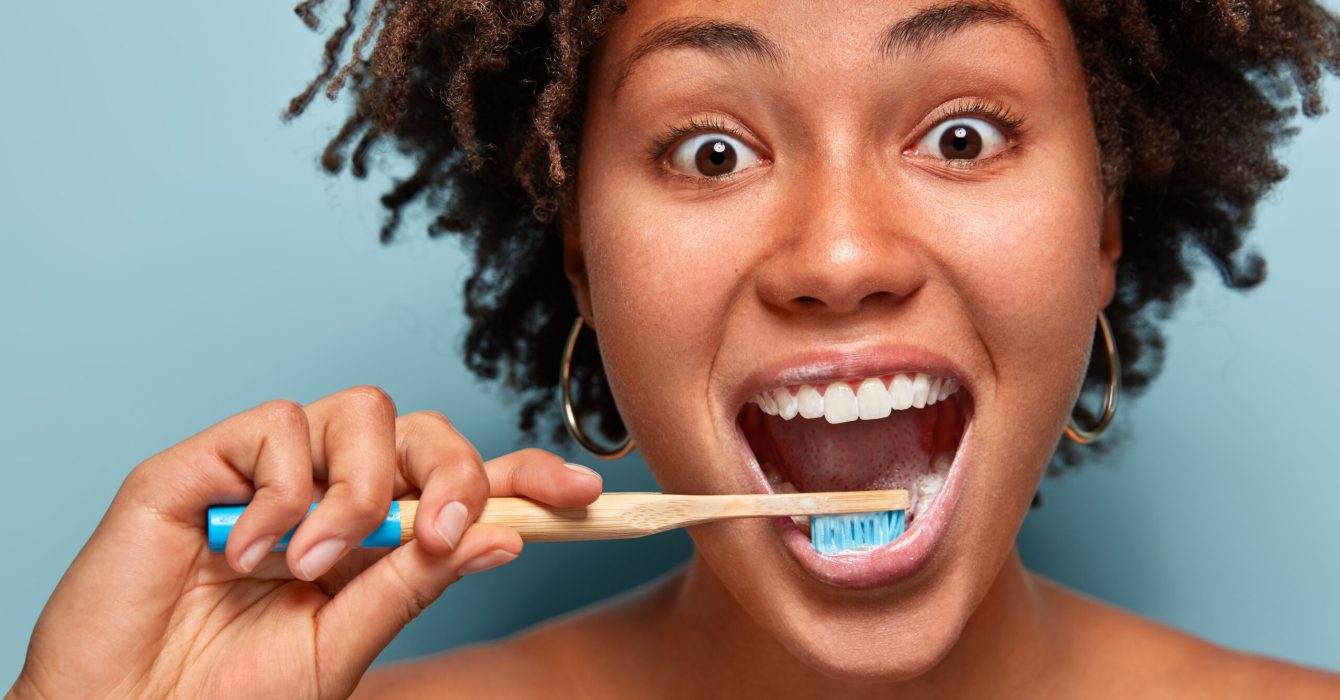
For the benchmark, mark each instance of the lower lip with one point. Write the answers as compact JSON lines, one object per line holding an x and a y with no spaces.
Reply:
{"x":895,"y":562}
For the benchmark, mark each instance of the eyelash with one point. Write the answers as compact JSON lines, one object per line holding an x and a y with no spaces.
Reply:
{"x":695,"y":126}
{"x":1013,"y":125}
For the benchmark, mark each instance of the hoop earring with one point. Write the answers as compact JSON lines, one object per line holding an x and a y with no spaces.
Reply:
{"x":570,"y":416}
{"x":1087,"y":436}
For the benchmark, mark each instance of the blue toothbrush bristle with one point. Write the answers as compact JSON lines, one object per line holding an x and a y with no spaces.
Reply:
{"x":854,"y":532}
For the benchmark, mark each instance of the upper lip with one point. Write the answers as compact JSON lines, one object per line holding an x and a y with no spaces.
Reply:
{"x":825,"y":365}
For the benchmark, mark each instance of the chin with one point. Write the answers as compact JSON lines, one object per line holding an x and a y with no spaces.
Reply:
{"x":872,"y":654}
{"x":871,"y":635}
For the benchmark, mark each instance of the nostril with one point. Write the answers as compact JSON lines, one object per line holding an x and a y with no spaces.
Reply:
{"x":871,"y":298}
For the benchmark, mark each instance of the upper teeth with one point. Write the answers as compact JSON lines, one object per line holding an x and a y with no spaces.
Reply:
{"x":874,"y":397}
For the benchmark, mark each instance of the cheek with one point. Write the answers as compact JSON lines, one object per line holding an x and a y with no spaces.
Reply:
{"x":1026,"y":262}
{"x":661,"y":287}
{"x":1029,"y":276}
{"x":1032,"y":272}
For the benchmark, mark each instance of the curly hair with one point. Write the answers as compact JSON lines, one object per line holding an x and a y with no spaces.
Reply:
{"x":1189,"y":101}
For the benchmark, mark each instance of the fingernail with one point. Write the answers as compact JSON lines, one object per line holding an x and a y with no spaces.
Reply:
{"x":450,"y":522}
{"x":484,"y":562}
{"x":320,"y":557}
{"x":582,"y":470}
{"x":253,"y":554}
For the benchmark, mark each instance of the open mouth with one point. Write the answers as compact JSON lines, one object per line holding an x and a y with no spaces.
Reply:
{"x":895,"y":431}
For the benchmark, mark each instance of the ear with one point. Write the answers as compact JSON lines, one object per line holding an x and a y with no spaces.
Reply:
{"x":574,"y":261}
{"x":1109,"y":249}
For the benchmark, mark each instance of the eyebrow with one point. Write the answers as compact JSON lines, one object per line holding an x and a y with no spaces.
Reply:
{"x":726,"y":39}
{"x":940,"y":22}
{"x":913,"y":33}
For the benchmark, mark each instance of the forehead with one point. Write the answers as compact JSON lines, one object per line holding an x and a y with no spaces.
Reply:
{"x":789,"y":34}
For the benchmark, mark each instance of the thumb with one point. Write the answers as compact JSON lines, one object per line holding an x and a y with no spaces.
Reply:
{"x":367,"y":613}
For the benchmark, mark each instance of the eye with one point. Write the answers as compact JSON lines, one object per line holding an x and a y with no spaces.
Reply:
{"x":963,"y":138}
{"x":712,"y":155}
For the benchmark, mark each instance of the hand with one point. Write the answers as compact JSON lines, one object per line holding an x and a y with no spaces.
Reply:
{"x":146,"y":610}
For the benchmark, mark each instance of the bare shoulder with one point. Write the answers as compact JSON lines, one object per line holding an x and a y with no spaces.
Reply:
{"x":1133,"y":655}
{"x":496,"y":670}
{"x":551,"y":660}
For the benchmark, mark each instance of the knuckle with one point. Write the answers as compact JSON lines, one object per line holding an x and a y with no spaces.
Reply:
{"x":476,"y":483}
{"x":462,"y":452}
{"x":462,"y":480}
{"x":535,"y":454}
{"x":369,"y":397}
{"x":421,"y":422}
{"x":284,"y":492}
{"x":365,"y":506}
{"x":288,"y":503}
{"x":283,"y":414}
{"x":434,"y":418}
{"x":414,"y":599}
{"x":141,"y":478}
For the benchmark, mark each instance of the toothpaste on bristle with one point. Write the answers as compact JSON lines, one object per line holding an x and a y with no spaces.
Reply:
{"x":861,"y":532}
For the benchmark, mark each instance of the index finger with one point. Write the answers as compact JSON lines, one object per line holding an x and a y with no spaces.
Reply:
{"x":543,"y":476}
{"x":262,"y":454}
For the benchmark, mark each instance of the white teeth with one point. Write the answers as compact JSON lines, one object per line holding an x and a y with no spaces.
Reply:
{"x":810,"y":401}
{"x":921,"y":386}
{"x":786,"y":403}
{"x":933,"y":393}
{"x":872,"y":400}
{"x":900,"y":392}
{"x":840,"y":403}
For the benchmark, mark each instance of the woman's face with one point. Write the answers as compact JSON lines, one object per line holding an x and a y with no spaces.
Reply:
{"x":808,"y":200}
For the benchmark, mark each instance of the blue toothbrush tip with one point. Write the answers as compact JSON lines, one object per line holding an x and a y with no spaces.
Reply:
{"x":855,"y":532}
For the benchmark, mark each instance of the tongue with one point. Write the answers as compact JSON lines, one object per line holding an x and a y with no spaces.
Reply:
{"x":888,"y":453}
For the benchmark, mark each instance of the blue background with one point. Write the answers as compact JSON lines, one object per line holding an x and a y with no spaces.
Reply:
{"x":170,"y":255}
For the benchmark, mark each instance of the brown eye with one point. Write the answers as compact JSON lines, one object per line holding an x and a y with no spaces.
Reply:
{"x":963,"y":139}
{"x":715,"y":158}
{"x":712,"y":155}
{"x":960,"y":141}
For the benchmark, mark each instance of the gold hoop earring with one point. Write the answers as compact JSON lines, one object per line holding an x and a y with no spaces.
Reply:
{"x":1087,"y":436}
{"x":570,"y":416}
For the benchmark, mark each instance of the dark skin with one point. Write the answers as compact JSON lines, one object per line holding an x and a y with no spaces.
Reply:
{"x":1099,"y":651}
{"x":700,"y":632}
{"x":189,"y":622}
{"x":845,"y":229}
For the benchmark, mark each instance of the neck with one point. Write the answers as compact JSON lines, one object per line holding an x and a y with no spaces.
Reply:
{"x":1008,"y":643}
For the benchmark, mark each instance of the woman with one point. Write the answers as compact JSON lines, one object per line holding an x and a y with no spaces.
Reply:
{"x":754,"y":204}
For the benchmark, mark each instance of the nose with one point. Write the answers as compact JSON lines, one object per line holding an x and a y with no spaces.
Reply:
{"x":844,"y":250}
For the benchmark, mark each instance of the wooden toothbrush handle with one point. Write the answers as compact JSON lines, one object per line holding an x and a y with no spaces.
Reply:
{"x":605,"y":519}
{"x":612,"y":516}
{"x":623,"y":515}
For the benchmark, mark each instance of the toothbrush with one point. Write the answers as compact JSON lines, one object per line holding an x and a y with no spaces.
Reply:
{"x":855,"y":532}
{"x":625,"y":515}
